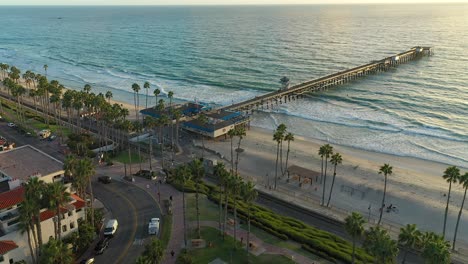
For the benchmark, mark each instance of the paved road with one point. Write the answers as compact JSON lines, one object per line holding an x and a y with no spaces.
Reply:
{"x":133,"y":208}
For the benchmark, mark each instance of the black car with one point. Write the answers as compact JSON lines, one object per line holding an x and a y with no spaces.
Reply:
{"x":105,"y":179}
{"x":102,"y":245}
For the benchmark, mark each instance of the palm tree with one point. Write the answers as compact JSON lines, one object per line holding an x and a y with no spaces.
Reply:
{"x":379,"y":244}
{"x":249,"y":194}
{"x":219,"y":171}
{"x":203,"y":121}
{"x":236,"y":186}
{"x":154,"y":251}
{"x":231,"y":133}
{"x":34,"y":192}
{"x":436,"y":250}
{"x":463,"y":180}
{"x":136,"y":89}
{"x":354,"y":226}
{"x":85,"y":169}
{"x":156,"y":94}
{"x":327,"y":151}
{"x":386,"y":170}
{"x":321,"y":153}
{"x":282,"y":129}
{"x":278,"y":137}
{"x":109,"y":96}
{"x":240,"y":132}
{"x":177,"y":116}
{"x":58,"y":198}
{"x":56,"y":252}
{"x":146,"y":85}
{"x":408,"y":238}
{"x":335,"y":160}
{"x":198,"y":172}
{"x":451,"y":175}
{"x":182,"y":176}
{"x":45,"y":69}
{"x":288,"y":137}
{"x":170,"y":95}
{"x":26,"y":225}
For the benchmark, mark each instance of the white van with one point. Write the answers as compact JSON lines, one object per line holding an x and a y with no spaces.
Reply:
{"x":111,"y":227}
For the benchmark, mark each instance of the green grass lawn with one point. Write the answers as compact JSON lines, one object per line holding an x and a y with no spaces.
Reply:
{"x":209,"y":212}
{"x":166,"y":229}
{"x":225,"y":251}
{"x":54,"y":128}
{"x":122,"y":157}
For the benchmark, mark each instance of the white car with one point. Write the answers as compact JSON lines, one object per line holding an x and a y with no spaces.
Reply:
{"x":11,"y":125}
{"x":153,"y":226}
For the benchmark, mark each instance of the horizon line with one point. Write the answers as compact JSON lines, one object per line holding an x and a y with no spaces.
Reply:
{"x":258,"y":4}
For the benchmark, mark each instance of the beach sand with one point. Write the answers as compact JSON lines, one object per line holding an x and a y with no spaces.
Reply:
{"x":416,"y":186}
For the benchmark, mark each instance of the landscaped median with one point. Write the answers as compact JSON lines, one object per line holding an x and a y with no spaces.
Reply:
{"x":318,"y":242}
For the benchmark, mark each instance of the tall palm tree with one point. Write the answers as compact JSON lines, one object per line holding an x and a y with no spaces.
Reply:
{"x":162,"y":120}
{"x":335,"y":160}
{"x":236,"y":186}
{"x":278,"y":136}
{"x":451,"y":175}
{"x":386,"y":170}
{"x":108,"y":96}
{"x":249,"y":194}
{"x":154,"y":251}
{"x":198,"y":172}
{"x":177,"y":116}
{"x":56,"y":252}
{"x":156,"y":94}
{"x":85,"y":169}
{"x":463,"y":180}
{"x":58,"y":198}
{"x":146,"y":85}
{"x":321,"y":153}
{"x":288,"y":137}
{"x":136,"y":89}
{"x":203,"y":121}
{"x":182,"y":176}
{"x":26,"y":225}
{"x":34,"y":192}
{"x":408,"y":238}
{"x":231,"y":133}
{"x":282,"y":129}
{"x":219,"y":172}
{"x":240,"y":133}
{"x":170,"y":95}
{"x":45,"y":69}
{"x":328,"y":151}
{"x":354,"y":226}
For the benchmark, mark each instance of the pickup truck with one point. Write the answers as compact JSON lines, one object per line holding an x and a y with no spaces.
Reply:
{"x":153,"y":226}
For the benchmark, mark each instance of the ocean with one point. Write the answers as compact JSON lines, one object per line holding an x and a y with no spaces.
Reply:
{"x":224,"y":54}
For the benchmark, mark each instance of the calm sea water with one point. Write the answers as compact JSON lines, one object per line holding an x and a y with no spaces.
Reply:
{"x":226,"y":54}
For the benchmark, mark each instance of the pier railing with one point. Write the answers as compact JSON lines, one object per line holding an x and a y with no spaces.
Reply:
{"x":322,"y":83}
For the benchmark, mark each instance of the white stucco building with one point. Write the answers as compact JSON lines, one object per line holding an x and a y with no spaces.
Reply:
{"x":16,"y":167}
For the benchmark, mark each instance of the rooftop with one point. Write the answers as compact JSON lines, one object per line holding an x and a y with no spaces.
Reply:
{"x":25,"y":161}
{"x":10,"y":198}
{"x":7,"y":245}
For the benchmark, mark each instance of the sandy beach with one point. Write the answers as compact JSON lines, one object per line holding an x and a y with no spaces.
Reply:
{"x":416,"y":186}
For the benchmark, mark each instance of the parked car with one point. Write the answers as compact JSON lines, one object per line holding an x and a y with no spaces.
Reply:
{"x":12,"y":125}
{"x":105,"y":179}
{"x":153,"y":226}
{"x":102,"y":245}
{"x":111,"y":227}
{"x":145,"y":174}
{"x":52,"y":137}
{"x":44,"y":133}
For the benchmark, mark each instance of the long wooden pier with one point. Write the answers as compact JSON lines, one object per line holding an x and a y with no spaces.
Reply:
{"x":297,"y":91}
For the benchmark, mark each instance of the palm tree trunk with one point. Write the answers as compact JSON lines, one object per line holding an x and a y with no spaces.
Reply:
{"x":321,"y":172}
{"x":92,"y":200}
{"x":281,"y":157}
{"x":226,"y":202}
{"x":197,"y":209}
{"x":383,"y":201}
{"x":248,"y":231}
{"x":458,"y":219}
{"x":220,"y":210}
{"x":404,"y":257}
{"x":446,"y":209}
{"x":324,"y":181}
{"x":237,"y":154}
{"x":37,"y":219}
{"x":354,"y":250}
{"x":235,"y":221}
{"x":33,"y":256}
{"x":276,"y":165}
{"x":59,"y":222}
{"x":232,"y":156}
{"x":331,"y":188}
{"x":183,"y":207}
{"x":286,"y":163}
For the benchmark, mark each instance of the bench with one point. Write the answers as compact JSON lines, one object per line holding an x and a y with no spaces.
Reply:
{"x":198,"y":243}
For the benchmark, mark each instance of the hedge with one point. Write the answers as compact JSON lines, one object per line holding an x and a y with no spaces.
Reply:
{"x":316,"y":241}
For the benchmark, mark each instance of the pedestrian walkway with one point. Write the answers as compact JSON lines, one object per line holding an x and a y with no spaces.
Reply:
{"x":268,"y":248}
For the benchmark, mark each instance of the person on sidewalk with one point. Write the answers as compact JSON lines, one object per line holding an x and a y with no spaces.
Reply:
{"x":172,"y":253}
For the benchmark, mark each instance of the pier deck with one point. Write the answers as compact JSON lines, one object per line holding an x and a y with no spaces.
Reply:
{"x":296,"y":91}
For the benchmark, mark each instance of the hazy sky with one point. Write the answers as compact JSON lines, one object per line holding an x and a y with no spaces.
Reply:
{"x":210,"y":2}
